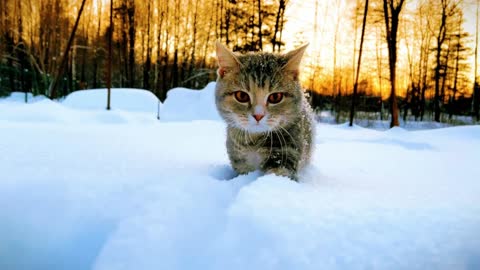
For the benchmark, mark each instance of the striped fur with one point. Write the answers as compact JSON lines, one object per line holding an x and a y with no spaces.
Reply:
{"x":281,"y":142}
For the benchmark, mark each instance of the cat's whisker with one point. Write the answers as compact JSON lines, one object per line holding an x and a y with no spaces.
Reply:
{"x":278,"y":138}
{"x":264,"y":139}
{"x":253,"y":81}
{"x":291,"y":137}
{"x":271,"y":143}
{"x":284,"y":149}
{"x":245,"y":134}
{"x":281,"y":146}
{"x":249,"y":137}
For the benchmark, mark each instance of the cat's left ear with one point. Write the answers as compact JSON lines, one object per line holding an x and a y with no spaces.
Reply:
{"x":227,"y":61}
{"x":294,"y":59}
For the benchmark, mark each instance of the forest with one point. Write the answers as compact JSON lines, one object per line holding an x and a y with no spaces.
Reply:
{"x":392,"y":58}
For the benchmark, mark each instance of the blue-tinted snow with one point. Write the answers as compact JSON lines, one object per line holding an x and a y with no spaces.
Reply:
{"x":90,"y":189}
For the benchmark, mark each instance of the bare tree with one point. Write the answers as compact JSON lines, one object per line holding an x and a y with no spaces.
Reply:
{"x":424,"y":11}
{"x":61,"y":69}
{"x":131,"y":38}
{"x":96,"y":49}
{"x":475,"y":93}
{"x":355,"y":86}
{"x":259,"y":6}
{"x":448,"y":9}
{"x":148,"y":60}
{"x":335,"y":84}
{"x":279,"y":21}
{"x":109,"y":62}
{"x":392,"y":9}
{"x":379,"y":58}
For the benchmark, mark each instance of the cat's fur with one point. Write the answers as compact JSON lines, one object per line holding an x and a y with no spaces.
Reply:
{"x":280,"y":142}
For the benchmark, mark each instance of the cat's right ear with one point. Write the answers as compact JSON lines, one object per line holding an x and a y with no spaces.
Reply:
{"x":227,"y":61}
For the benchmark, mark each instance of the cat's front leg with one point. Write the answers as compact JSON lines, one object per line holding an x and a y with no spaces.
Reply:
{"x":241,"y":166}
{"x":281,"y":164}
{"x":282,"y":172}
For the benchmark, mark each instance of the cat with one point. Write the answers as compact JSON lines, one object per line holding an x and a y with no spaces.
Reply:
{"x":269,"y":120}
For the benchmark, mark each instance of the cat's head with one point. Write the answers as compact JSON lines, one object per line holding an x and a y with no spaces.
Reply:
{"x":259,"y":92}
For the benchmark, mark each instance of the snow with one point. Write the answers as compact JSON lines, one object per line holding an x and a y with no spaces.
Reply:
{"x":128,"y":99}
{"x":90,"y":189}
{"x":128,"y":106}
{"x":19,"y":97}
{"x":184,"y":104}
{"x":372,"y":120}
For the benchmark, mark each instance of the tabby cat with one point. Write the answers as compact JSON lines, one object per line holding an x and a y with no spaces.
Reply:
{"x":269,"y":121}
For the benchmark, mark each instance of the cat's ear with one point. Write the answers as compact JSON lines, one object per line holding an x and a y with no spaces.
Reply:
{"x":227,"y":61}
{"x":294,"y":58}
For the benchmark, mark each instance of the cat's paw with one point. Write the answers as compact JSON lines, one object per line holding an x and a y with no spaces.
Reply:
{"x":282,"y":171}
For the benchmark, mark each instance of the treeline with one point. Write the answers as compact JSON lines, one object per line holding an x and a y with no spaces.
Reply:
{"x":157,"y":44}
{"x":418,"y":54}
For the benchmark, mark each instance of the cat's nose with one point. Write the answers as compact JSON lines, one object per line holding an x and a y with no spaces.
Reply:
{"x":258,"y":117}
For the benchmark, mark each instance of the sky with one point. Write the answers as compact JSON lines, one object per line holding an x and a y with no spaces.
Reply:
{"x":300,"y":28}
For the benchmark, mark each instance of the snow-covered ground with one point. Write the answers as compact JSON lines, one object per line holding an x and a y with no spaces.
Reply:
{"x":83,"y":188}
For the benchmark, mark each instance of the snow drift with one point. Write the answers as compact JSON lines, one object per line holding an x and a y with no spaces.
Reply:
{"x":136,"y":100}
{"x":184,"y":104}
{"x":19,"y":97}
{"x":80,"y":192}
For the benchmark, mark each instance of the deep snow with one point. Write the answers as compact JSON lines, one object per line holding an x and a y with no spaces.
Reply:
{"x":90,"y":189}
{"x":186,"y":105}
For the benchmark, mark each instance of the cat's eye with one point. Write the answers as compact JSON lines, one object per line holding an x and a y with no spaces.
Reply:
{"x":242,"y":96}
{"x":275,"y":98}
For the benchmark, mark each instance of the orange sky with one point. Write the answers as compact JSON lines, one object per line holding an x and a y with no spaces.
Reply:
{"x":301,"y":24}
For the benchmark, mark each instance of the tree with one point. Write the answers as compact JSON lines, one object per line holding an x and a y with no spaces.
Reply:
{"x":475,"y":93}
{"x":61,"y":69}
{"x":355,"y":86}
{"x":148,"y":60}
{"x":459,"y":64}
{"x":424,"y":20}
{"x":109,"y":62}
{"x":448,"y":9}
{"x":392,"y":9}
{"x":131,"y":37}
{"x":476,"y":100}
{"x":97,"y":49}
{"x":278,"y":28}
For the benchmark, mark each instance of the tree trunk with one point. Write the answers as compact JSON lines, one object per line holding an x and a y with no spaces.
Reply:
{"x":455,"y":78}
{"x":63,"y":64}
{"x":355,"y":86}
{"x":440,"y":40}
{"x":278,"y":21}
{"x":166,"y":57}
{"x":194,"y":43}
{"x":475,"y":92}
{"x":175,"y":75}
{"x":391,"y":15}
{"x":109,"y":67}
{"x":95,"y":50}
{"x":148,"y":60}
{"x":158,"y":64}
{"x":259,"y":6}
{"x":476,"y":101}
{"x":131,"y":35}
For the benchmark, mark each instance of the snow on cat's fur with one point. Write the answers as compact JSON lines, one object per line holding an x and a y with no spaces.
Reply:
{"x":269,"y":120}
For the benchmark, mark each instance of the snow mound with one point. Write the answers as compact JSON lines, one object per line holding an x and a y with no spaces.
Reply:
{"x":162,"y":195}
{"x":184,"y":104}
{"x":133,"y":100}
{"x":136,"y":107}
{"x":19,"y":97}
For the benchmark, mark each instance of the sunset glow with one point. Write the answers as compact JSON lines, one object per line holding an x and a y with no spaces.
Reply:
{"x":161,"y":44}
